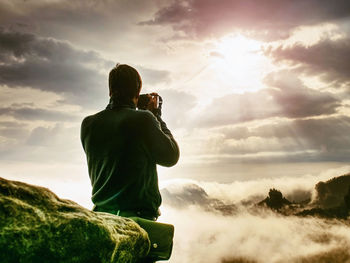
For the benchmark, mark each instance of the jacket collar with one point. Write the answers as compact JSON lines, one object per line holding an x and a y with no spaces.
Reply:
{"x":117,"y":103}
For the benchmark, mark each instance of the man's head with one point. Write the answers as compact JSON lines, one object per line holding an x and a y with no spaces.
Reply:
{"x":124,"y":82}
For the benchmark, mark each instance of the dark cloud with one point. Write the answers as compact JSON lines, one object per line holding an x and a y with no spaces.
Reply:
{"x":12,"y":124}
{"x":51,"y":65}
{"x":327,"y":59}
{"x":88,"y":22}
{"x":269,"y":19}
{"x":316,"y":131}
{"x":12,"y":133}
{"x":295,"y":100}
{"x":329,"y":136}
{"x":13,"y":130}
{"x":286,"y":96}
{"x":34,"y":114}
{"x":315,"y":139}
{"x":54,"y":143}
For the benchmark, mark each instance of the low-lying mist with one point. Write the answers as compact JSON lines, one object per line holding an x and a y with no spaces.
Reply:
{"x":206,"y":234}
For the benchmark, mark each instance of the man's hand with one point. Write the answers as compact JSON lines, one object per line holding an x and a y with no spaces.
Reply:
{"x":153,"y":101}
{"x":153,"y":104}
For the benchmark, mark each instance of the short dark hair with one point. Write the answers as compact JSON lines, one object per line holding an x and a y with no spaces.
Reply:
{"x":124,"y":82}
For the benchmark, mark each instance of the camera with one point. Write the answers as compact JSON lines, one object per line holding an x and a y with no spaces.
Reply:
{"x":145,"y":100}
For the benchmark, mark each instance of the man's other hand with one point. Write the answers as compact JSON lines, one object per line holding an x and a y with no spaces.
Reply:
{"x":153,"y":104}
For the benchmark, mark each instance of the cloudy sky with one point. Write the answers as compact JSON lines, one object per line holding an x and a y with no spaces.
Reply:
{"x":256,"y":92}
{"x":252,"y":89}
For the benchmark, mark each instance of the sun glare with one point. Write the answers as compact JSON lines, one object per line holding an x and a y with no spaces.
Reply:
{"x":232,"y":64}
{"x":237,"y":46}
{"x":239,"y":62}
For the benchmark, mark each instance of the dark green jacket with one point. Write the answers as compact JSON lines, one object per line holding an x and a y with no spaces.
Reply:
{"x":123,"y":146}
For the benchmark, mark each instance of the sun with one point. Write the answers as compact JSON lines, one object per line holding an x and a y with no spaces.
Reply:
{"x":237,"y":46}
{"x":239,"y":63}
{"x":233,"y":64}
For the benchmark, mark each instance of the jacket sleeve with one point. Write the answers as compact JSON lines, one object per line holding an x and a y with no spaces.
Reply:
{"x":83,"y":132}
{"x":160,"y":141}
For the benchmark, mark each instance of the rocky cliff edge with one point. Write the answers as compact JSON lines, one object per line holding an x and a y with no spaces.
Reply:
{"x":37,"y":226}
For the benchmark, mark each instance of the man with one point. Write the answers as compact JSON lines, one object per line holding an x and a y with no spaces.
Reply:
{"x":123,"y":146}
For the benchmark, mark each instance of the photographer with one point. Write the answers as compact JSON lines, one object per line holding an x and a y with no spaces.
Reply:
{"x":123,"y":145}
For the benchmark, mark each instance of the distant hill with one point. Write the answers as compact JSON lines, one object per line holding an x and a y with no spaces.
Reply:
{"x":331,"y":193}
{"x":332,"y":200}
{"x":192,"y":194}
